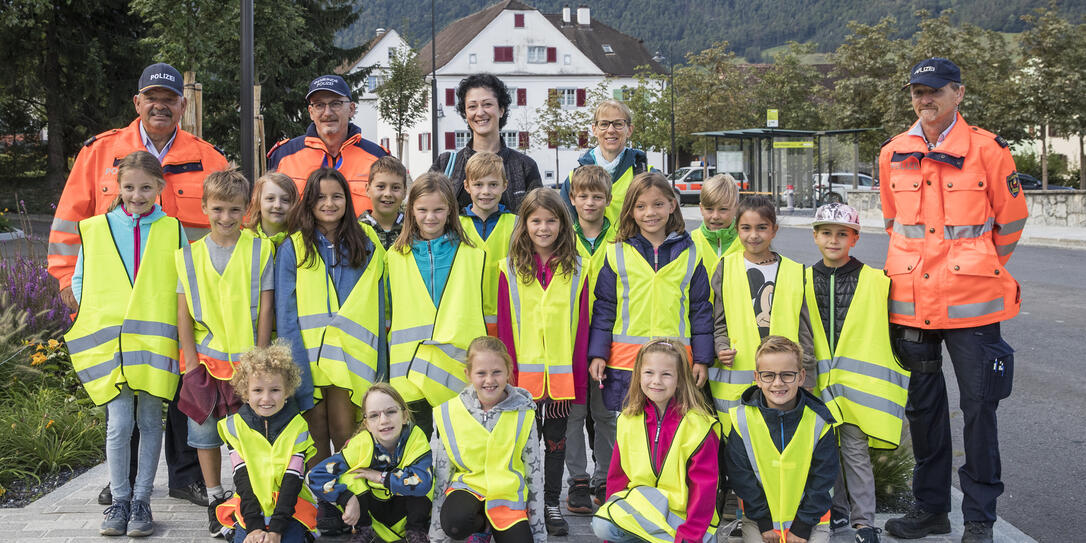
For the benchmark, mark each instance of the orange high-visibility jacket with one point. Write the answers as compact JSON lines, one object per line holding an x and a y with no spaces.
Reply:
{"x":298,"y":157}
{"x":92,"y":187}
{"x":954,"y":215}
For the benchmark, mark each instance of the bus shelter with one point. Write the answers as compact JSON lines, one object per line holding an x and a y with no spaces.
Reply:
{"x":800,"y":168}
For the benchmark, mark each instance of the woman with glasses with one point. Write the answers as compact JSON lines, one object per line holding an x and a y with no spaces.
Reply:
{"x":483,"y":102}
{"x":612,"y":125}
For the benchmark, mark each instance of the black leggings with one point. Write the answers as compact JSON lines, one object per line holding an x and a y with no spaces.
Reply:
{"x":415,"y":508}
{"x":463,"y":515}
{"x":553,"y":431}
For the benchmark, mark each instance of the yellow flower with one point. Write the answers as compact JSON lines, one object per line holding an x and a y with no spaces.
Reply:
{"x":37,"y":359}
{"x":50,"y":423}
{"x":53,"y":344}
{"x":39,"y":347}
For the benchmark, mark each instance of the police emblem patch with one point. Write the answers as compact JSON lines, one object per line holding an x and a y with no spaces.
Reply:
{"x":1013,"y":185}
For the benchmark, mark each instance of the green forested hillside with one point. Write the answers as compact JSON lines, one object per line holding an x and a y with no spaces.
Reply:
{"x":683,"y":26}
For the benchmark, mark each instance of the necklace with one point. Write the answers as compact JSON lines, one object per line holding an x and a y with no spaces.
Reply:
{"x":772,"y":258}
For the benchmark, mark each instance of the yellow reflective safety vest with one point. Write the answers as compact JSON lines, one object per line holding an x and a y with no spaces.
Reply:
{"x":427,"y":343}
{"x":488,"y":464}
{"x":653,"y":505}
{"x":128,"y":331}
{"x":275,"y":239}
{"x":651,"y":303}
{"x":496,"y":247}
{"x":782,"y":474}
{"x":595,"y":261}
{"x":358,"y":453}
{"x":348,"y":356}
{"x":709,"y":257}
{"x":266,"y":464}
{"x":545,"y":329}
{"x":859,"y":380}
{"x":225,"y":307}
{"x":728,"y":384}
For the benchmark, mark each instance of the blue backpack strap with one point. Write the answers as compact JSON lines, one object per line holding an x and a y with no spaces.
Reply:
{"x":451,"y":164}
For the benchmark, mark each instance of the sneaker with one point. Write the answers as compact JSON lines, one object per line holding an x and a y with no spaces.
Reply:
{"x":867,"y":534}
{"x":416,"y":536}
{"x":977,"y":532}
{"x":214,"y":527}
{"x":918,"y":523}
{"x":838,"y":520}
{"x":364,"y":534}
{"x":599,"y":494}
{"x":578,"y":500}
{"x":140,"y":522}
{"x":194,"y":492}
{"x":556,"y":523}
{"x":330,"y":520}
{"x":105,"y":497}
{"x":116,"y":521}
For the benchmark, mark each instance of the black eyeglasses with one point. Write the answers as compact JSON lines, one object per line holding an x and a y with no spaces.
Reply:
{"x":787,"y":377}
{"x":619,"y":124}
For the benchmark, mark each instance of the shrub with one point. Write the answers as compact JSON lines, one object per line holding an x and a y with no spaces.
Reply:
{"x":893,"y":470}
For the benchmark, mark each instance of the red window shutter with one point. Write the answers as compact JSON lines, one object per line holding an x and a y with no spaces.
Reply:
{"x":580,"y":97}
{"x":551,"y":143}
{"x":450,"y":140}
{"x":503,"y":54}
{"x":522,"y":97}
{"x":552,"y":54}
{"x":582,"y":139}
{"x":450,"y":97}
{"x":518,"y":20}
{"x":420,"y":142}
{"x":522,"y":140}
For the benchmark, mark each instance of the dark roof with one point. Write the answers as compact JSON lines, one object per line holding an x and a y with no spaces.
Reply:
{"x":628,"y":52}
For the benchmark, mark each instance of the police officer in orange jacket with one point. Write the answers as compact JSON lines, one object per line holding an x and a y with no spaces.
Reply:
{"x":331,"y":141}
{"x":92,"y":187}
{"x":954,"y":210}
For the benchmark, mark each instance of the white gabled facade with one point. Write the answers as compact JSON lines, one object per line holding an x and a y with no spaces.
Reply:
{"x":377,"y":56}
{"x":532,"y":56}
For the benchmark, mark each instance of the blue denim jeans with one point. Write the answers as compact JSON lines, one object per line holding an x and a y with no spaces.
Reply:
{"x":125,"y":412}
{"x":607,"y":531}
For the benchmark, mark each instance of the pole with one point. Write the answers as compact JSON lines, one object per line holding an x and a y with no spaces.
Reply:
{"x":433,"y":84}
{"x":247,"y":88}
{"x":671,"y":83}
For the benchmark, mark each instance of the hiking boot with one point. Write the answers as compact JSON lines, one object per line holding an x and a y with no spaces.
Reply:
{"x":214,"y":527}
{"x":330,"y":520}
{"x":977,"y":532}
{"x":918,"y":523}
{"x":578,"y":500}
{"x":105,"y":497}
{"x":416,"y":536}
{"x":116,"y":521}
{"x":838,"y":520}
{"x":867,"y":534}
{"x":556,"y":523}
{"x":599,"y":494}
{"x":140,"y":522}
{"x":194,"y":493}
{"x":364,"y":534}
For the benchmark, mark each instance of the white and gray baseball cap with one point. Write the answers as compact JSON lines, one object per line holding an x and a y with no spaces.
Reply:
{"x":841,"y":214}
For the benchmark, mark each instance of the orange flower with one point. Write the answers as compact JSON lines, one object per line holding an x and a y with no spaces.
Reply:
{"x":50,"y":423}
{"x":37,"y":359}
{"x":53,"y":344}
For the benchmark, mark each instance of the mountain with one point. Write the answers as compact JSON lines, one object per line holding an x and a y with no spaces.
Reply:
{"x":685,"y":26}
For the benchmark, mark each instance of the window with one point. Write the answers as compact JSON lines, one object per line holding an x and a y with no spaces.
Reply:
{"x":537,"y":54}
{"x":567,"y":59}
{"x":374,"y":81}
{"x":518,"y":20}
{"x":511,"y":139}
{"x":461,"y":138}
{"x":384,"y":143}
{"x":472,"y":58}
{"x":513,"y":97}
{"x":625,"y":94}
{"x":424,"y":141}
{"x":503,"y":54}
{"x":608,"y":49}
{"x":391,"y":54}
{"x":567,"y":97}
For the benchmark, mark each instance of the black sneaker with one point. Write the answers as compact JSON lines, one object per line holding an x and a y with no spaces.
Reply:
{"x":918,"y":523}
{"x":977,"y":532}
{"x":556,"y":523}
{"x":330,"y":520}
{"x":214,"y":527}
{"x":105,"y":497}
{"x":578,"y":500}
{"x":194,"y":492}
{"x":867,"y":534}
{"x":838,"y":520}
{"x":599,"y":494}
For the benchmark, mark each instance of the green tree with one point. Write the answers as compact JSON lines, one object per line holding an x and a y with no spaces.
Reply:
{"x":649,"y":101}
{"x":792,"y":87}
{"x":403,"y":98}
{"x":558,"y":126}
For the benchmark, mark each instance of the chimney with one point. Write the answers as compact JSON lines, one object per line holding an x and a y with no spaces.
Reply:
{"x":380,"y":31}
{"x":583,"y":15}
{"x":566,"y":14}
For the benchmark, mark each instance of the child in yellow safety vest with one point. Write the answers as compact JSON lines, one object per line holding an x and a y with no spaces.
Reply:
{"x":274,"y":196}
{"x":435,"y":276}
{"x":123,"y":342}
{"x":543,"y":321}
{"x":859,"y":378}
{"x":225,"y":307}
{"x":269,"y":445}
{"x":488,"y":224}
{"x":662,"y":490}
{"x":716,"y":237}
{"x":386,"y":189}
{"x":383,"y":478}
{"x":487,"y":466}
{"x":782,"y":453}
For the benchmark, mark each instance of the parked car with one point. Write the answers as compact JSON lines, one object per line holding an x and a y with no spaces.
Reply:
{"x":688,"y":180}
{"x":1029,"y":182}
{"x":834,"y":187}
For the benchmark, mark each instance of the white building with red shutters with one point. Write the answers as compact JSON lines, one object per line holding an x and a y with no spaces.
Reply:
{"x":535,"y":54}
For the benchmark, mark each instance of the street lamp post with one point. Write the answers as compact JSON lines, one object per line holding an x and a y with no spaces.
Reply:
{"x":659,"y":59}
{"x":433,"y":84}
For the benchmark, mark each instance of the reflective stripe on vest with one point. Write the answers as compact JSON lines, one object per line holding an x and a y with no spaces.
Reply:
{"x":428,"y":344}
{"x":652,"y":303}
{"x":653,"y":505}
{"x":318,"y":303}
{"x":348,"y":356}
{"x":782,"y":475}
{"x":728,"y":383}
{"x":488,"y":464}
{"x":545,"y":329}
{"x":496,"y":247}
{"x":358,"y":453}
{"x":860,"y":381}
{"x":268,"y":462}
{"x":224,"y":315}
{"x":128,"y":331}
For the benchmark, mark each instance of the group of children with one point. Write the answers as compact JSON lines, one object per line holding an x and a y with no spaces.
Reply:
{"x":424,"y":353}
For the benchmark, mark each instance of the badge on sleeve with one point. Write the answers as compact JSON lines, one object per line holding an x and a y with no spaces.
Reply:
{"x":1013,"y":185}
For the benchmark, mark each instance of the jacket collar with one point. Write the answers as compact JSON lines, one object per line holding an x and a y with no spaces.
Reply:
{"x":274,"y":424}
{"x":956,"y":143}
{"x":312,"y":139}
{"x":182,"y":150}
{"x":852,"y":265}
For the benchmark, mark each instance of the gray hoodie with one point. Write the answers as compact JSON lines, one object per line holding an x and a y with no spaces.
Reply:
{"x":518,"y":400}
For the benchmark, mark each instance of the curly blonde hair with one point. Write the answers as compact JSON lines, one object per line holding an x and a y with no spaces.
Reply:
{"x":275,"y":359}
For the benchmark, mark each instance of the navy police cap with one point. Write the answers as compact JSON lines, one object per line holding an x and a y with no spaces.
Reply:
{"x":162,"y":75}
{"x":934,"y":72}
{"x":331,"y":83}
